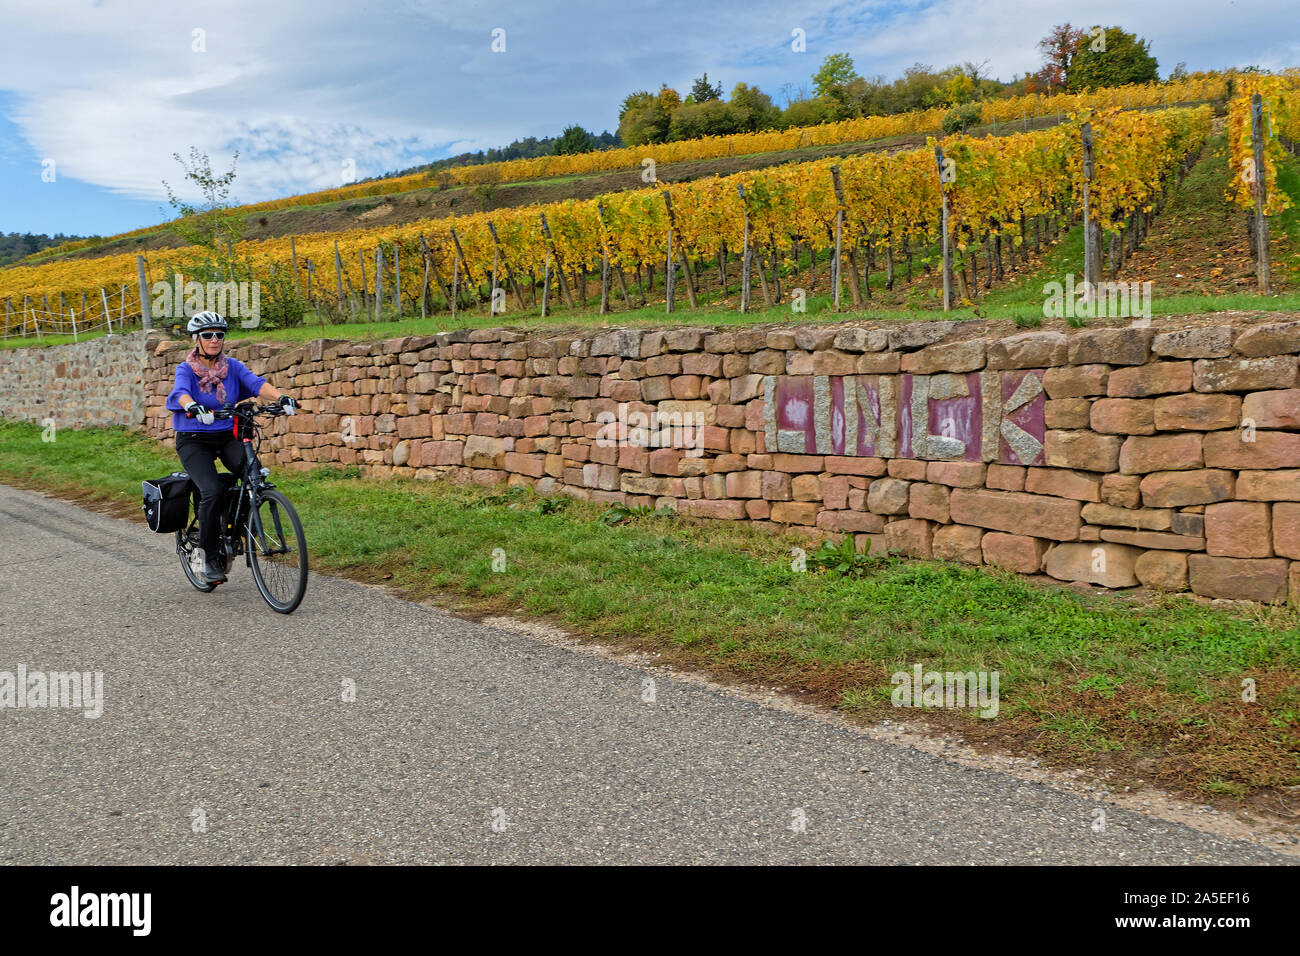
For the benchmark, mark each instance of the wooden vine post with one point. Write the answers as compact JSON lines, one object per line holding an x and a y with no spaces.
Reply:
{"x":146,"y":320}
{"x":1261,"y":193}
{"x":855,"y":289}
{"x":559,"y":263}
{"x":944,"y":232}
{"x":617,"y":269}
{"x":397,"y":278}
{"x":1091,"y":230}
{"x":460,"y":258}
{"x":744,"y":255}
{"x":686,"y":266}
{"x":510,"y":274}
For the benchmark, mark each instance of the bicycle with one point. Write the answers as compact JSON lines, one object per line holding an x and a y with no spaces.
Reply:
{"x":254,"y":514}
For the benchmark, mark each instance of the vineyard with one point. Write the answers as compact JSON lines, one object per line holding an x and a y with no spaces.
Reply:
{"x":1263,"y":121}
{"x":1009,"y":110}
{"x":878,"y":211}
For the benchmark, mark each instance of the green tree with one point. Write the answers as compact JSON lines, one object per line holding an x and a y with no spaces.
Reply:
{"x":211,"y":223}
{"x":702,"y":91}
{"x":1111,"y":57}
{"x":835,"y":73}
{"x":647,"y":117}
{"x":574,"y":139}
{"x":712,"y":118}
{"x":754,"y":109}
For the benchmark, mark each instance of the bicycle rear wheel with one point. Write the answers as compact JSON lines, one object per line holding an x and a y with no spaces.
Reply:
{"x":277,"y":551}
{"x":187,"y":547}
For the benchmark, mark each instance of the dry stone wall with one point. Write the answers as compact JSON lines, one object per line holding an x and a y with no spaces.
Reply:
{"x":98,"y":382}
{"x":1114,"y":456}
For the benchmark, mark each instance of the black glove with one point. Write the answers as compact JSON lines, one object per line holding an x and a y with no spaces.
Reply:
{"x":289,"y":405}
{"x":201,"y":412}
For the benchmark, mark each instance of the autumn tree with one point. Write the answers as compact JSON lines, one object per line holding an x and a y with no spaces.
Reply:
{"x":1059,"y":49}
{"x":1111,"y":57}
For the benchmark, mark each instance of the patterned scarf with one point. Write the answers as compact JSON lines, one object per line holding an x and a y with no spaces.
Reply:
{"x":209,"y":376}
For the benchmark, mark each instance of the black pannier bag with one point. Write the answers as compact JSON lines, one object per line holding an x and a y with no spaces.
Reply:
{"x":167,"y":502}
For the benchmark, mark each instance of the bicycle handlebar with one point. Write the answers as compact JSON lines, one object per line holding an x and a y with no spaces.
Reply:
{"x":228,"y":411}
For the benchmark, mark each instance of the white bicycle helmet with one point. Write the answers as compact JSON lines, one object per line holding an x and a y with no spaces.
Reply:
{"x":206,"y":320}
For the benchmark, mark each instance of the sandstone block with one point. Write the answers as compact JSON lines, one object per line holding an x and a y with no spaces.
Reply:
{"x":1280,"y":485}
{"x":1174,"y":489}
{"x":1109,"y":565}
{"x":1197,"y":412}
{"x":1245,"y":375}
{"x":1016,"y":512}
{"x":958,"y":542}
{"x":1209,"y":342}
{"x":1028,"y":350}
{"x":1064,"y":483}
{"x":1158,"y":378}
{"x":1241,"y":579}
{"x":1152,"y":539}
{"x":1068,"y":412}
{"x":928,"y":501}
{"x":956,"y":474}
{"x":1274,"y":339}
{"x":1275,"y":409}
{"x":1122,"y":491}
{"x":1085,"y":450}
{"x":888,"y":496}
{"x":910,"y":536}
{"x":1015,"y":552}
{"x":1162,"y":570}
{"x":1073,"y":381}
{"x":1148,"y":519}
{"x":965,"y":356}
{"x":1124,"y":346}
{"x":1238,"y":529}
{"x":1228,"y":449}
{"x":1123,"y":416}
{"x":1006,"y":477}
{"x":796,"y":512}
{"x":1286,"y":529}
{"x":1160,"y":453}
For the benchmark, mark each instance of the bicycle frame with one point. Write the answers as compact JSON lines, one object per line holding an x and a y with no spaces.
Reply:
{"x":242,"y":497}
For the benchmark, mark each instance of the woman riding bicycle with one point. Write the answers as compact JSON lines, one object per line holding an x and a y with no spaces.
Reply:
{"x":207,"y":380}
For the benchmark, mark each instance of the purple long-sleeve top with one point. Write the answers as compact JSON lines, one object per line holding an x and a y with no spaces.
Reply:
{"x":240,"y":384}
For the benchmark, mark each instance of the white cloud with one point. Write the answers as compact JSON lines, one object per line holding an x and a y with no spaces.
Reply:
{"x":111,"y":89}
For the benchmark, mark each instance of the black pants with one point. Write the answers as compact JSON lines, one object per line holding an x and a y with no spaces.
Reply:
{"x":198,"y":453}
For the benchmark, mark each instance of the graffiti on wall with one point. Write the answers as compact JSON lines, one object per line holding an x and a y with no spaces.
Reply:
{"x":978,"y":416}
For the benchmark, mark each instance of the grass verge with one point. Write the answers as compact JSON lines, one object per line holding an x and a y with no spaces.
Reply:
{"x":1150,"y":690}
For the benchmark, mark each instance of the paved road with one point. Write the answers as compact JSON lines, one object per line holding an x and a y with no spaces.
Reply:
{"x":214,"y":702}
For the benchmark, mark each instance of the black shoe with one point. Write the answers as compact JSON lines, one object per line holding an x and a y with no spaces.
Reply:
{"x":212,"y":572}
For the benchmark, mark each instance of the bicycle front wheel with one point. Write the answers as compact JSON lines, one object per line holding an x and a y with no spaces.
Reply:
{"x":277,"y":551}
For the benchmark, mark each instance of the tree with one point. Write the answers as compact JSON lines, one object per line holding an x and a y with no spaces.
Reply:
{"x":213,"y":222}
{"x":574,"y":139}
{"x":1059,"y":48}
{"x":702,"y":91}
{"x":1111,"y":57}
{"x":754,"y":109}
{"x":835,"y":73}
{"x":712,"y":118}
{"x":646,"y":117}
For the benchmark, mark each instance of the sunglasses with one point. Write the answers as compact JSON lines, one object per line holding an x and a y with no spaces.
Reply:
{"x":212,"y":335}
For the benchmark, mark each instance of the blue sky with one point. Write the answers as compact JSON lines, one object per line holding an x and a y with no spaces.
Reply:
{"x":308,"y":89}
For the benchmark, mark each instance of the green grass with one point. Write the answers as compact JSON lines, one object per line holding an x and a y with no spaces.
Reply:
{"x":1084,"y":678}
